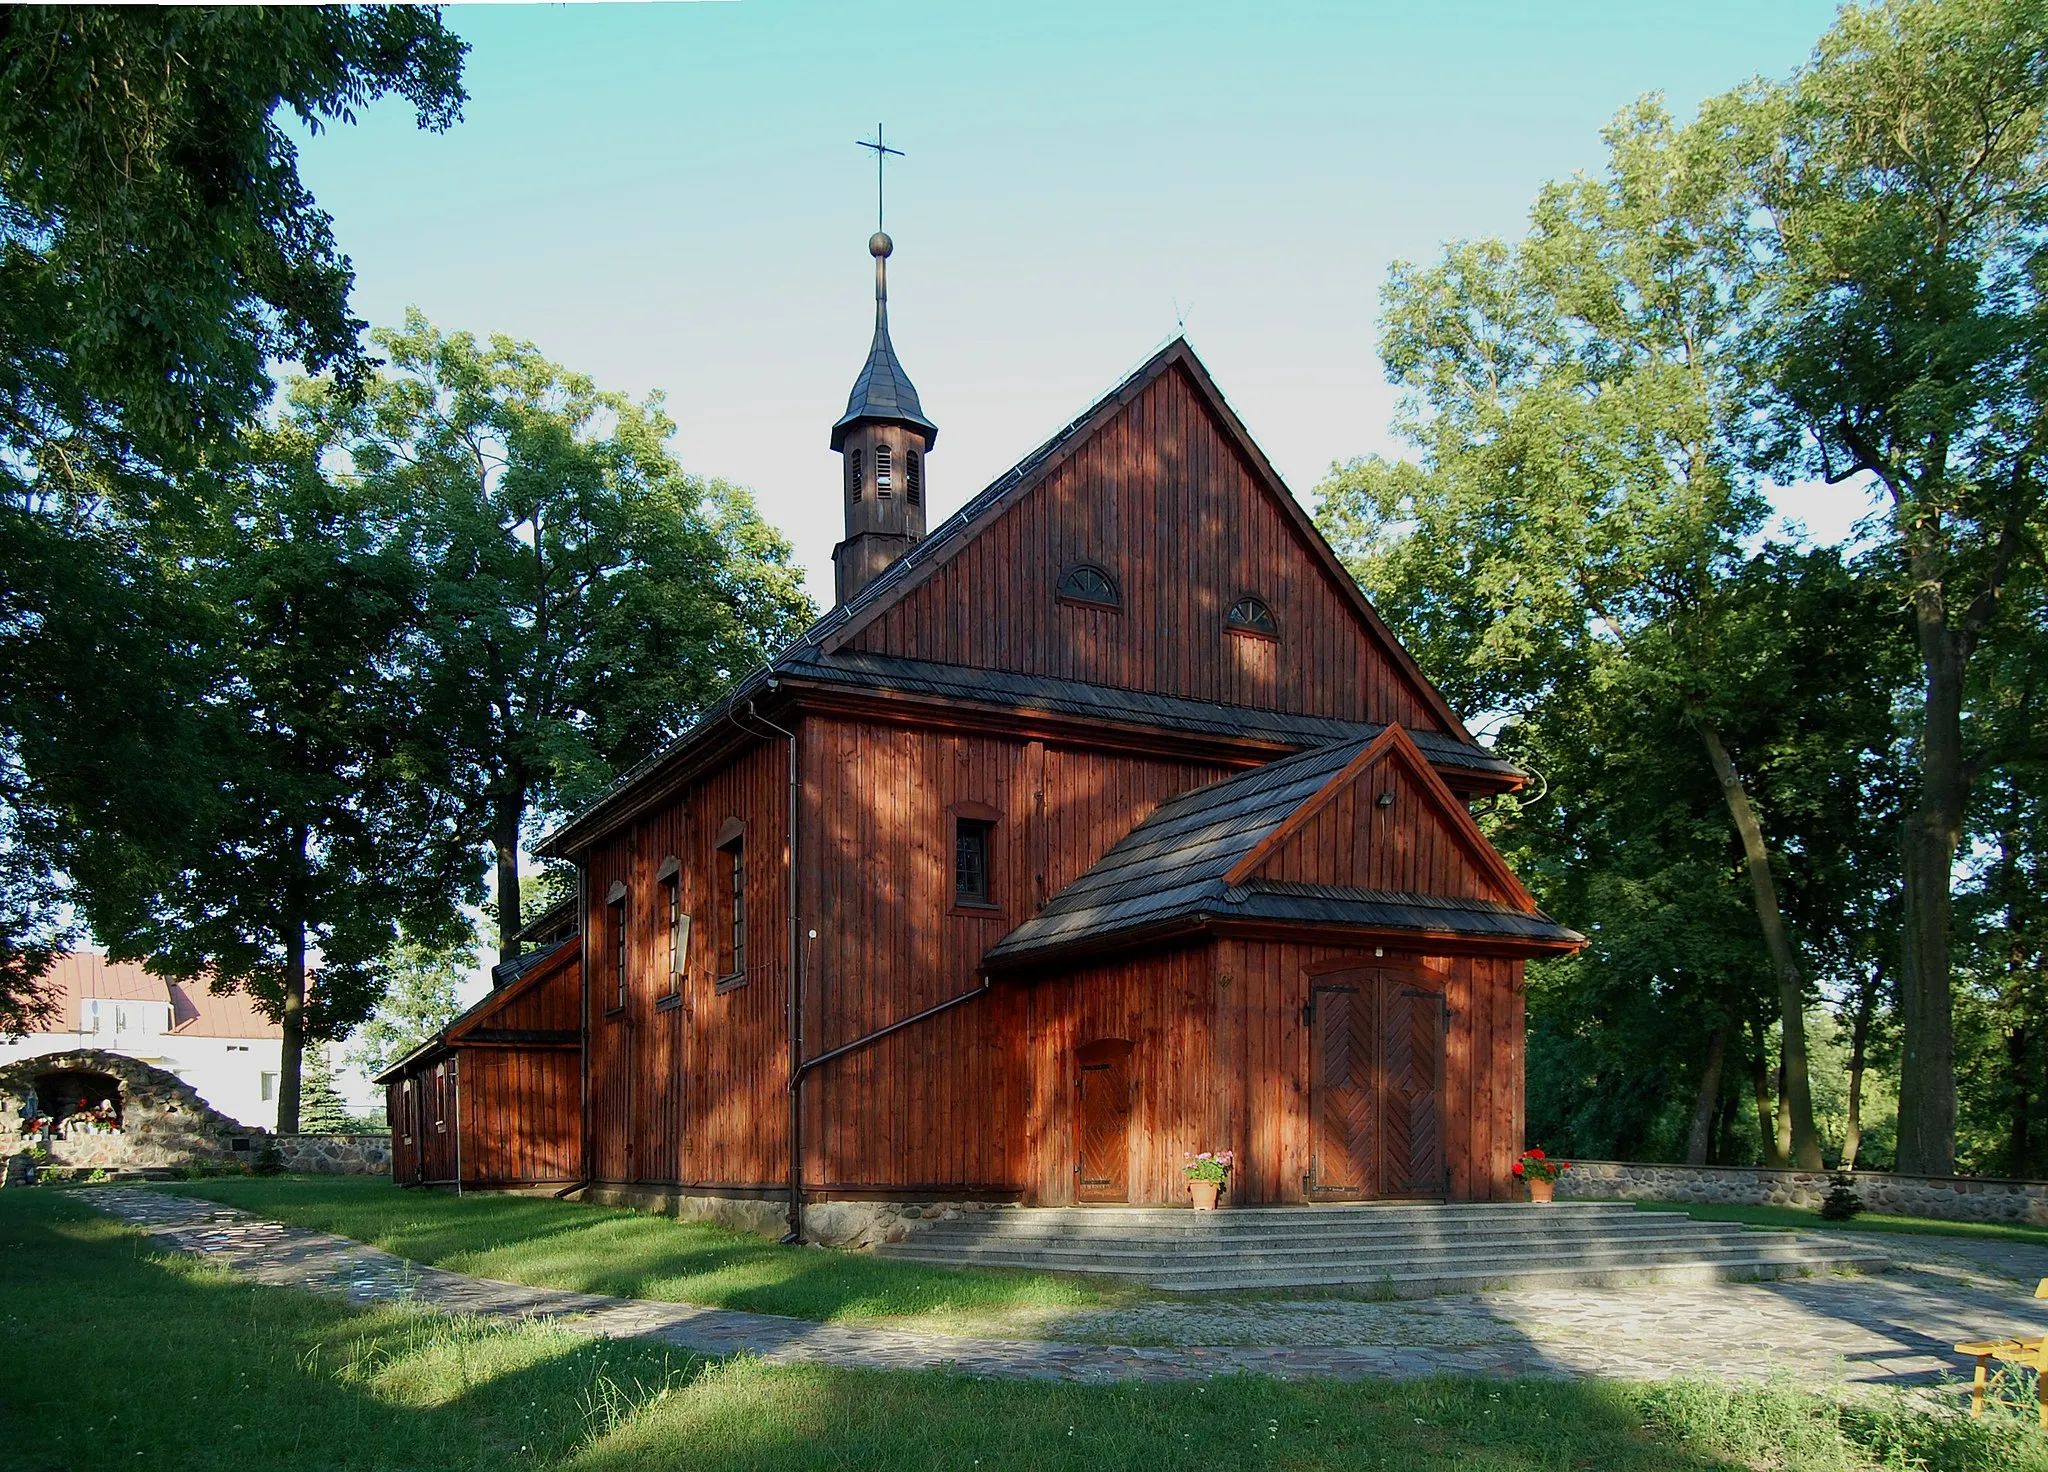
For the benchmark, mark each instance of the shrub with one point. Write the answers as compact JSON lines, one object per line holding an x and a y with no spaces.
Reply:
{"x":1842,"y":1202}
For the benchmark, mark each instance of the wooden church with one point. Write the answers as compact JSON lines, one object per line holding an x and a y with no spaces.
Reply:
{"x":1102,"y":824}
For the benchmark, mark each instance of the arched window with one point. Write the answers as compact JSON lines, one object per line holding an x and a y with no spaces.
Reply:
{"x":1084,"y":582}
{"x":1251,"y":616}
{"x":853,"y":476}
{"x":913,"y":478}
{"x":882,"y":478}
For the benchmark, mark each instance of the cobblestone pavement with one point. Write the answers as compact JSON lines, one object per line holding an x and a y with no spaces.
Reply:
{"x":1891,"y":1330}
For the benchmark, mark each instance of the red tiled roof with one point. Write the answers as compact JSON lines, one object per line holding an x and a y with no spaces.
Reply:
{"x":196,"y":1010}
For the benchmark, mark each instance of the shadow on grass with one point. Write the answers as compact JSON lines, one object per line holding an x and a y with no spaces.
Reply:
{"x":593,"y":1249}
{"x":121,"y":1357}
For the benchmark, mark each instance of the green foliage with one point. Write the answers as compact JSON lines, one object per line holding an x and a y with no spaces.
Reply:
{"x":1900,"y":206}
{"x":1576,"y":553}
{"x":321,"y":1108}
{"x":157,"y":252}
{"x":584,"y":598}
{"x":326,"y":823}
{"x":418,"y":999}
{"x":1841,"y":1203}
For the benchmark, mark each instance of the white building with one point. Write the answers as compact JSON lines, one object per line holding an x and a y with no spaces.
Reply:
{"x":221,"y":1045}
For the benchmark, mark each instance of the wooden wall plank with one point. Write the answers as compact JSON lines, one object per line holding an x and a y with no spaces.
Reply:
{"x":1163,"y":501}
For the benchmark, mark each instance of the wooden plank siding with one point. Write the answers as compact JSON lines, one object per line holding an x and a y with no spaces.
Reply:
{"x":1162,"y":499}
{"x":1403,"y":845}
{"x":1219,"y":1060}
{"x":515,"y":1061}
{"x":691,"y":1091}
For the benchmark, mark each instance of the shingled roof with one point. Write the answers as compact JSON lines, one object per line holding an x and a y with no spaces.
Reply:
{"x":819,"y":653}
{"x":1173,"y":872}
{"x":883,"y":393}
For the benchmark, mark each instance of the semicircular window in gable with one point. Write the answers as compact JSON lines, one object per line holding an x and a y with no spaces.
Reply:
{"x":1084,"y":582}
{"x":1251,"y":616}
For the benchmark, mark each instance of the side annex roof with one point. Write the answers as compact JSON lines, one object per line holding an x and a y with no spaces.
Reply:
{"x":1197,"y":862}
{"x":511,"y":981}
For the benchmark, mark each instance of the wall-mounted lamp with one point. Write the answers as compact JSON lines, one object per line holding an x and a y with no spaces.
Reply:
{"x":1385,"y":800}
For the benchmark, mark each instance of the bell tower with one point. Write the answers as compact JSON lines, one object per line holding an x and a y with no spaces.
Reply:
{"x":882,"y":441}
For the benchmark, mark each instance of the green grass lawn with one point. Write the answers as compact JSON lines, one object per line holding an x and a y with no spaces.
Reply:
{"x":1801,"y":1220}
{"x":596,"y":1249}
{"x":121,"y":1356}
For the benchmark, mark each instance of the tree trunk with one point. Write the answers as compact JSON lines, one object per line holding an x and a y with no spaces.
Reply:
{"x":1724,"y":1135}
{"x":1927,"y":1070}
{"x":291,"y":1062}
{"x":505,"y":822}
{"x":1702,"y":1134}
{"x":1766,"y":1111}
{"x":2019,"y":1145}
{"x":1797,"y":1139}
{"x":1859,"y":1052}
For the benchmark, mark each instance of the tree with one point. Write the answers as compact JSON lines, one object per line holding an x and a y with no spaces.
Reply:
{"x":1582,"y":500}
{"x":1901,"y":179}
{"x":157,"y":251}
{"x":322,"y":1110}
{"x":585,"y":596}
{"x":418,"y":999}
{"x":328,"y":828}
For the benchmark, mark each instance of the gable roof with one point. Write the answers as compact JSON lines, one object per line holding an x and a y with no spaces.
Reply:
{"x":958,"y":530}
{"x":1192,"y":863}
{"x":821,"y":652}
{"x":197,"y":1010}
{"x":510,"y":981}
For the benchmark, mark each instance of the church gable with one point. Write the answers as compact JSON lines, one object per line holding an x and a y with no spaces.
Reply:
{"x":1156,"y":551}
{"x":1388,"y":824}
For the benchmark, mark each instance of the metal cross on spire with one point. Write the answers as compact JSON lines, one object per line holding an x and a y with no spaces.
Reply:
{"x":882,"y":152}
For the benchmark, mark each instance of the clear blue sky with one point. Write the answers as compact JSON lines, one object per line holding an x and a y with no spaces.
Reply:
{"x":668,"y":196}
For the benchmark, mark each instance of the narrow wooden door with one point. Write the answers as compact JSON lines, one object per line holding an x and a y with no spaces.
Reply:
{"x":1343,"y":1114}
{"x":1411,"y":1090}
{"x":1102,"y":1113}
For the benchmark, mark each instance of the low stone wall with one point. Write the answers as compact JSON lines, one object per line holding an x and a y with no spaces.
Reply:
{"x":827,"y":1223}
{"x":335,"y":1155}
{"x":1943,"y":1198}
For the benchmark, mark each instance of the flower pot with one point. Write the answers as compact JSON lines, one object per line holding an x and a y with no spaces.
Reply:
{"x":1541,"y":1190}
{"x":1205,"y":1193}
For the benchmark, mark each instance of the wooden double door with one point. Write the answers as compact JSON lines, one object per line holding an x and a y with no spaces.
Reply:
{"x":1376,"y":1085}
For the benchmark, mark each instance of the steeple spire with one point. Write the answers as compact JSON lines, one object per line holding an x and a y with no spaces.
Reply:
{"x":883,"y":437}
{"x":883,"y":393}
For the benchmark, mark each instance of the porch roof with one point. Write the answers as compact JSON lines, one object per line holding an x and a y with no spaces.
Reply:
{"x":1176,"y":869}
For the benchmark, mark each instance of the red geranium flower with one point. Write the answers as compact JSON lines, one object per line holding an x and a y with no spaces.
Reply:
{"x":1518,"y":1167}
{"x":1535,"y":1152}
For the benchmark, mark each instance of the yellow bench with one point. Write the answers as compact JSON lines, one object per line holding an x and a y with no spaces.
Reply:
{"x":2027,"y":1354}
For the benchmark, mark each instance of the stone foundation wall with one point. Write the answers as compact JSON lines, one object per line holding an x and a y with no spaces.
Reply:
{"x":335,"y":1155}
{"x":827,"y":1223}
{"x":1943,"y":1198}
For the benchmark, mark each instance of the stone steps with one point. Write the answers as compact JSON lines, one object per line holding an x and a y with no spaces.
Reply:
{"x":1399,"y":1250}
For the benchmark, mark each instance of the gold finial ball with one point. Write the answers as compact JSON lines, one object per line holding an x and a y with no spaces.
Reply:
{"x":880,"y":245}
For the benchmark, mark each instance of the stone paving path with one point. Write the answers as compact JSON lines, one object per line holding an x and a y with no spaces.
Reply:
{"x":1893,"y":1330}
